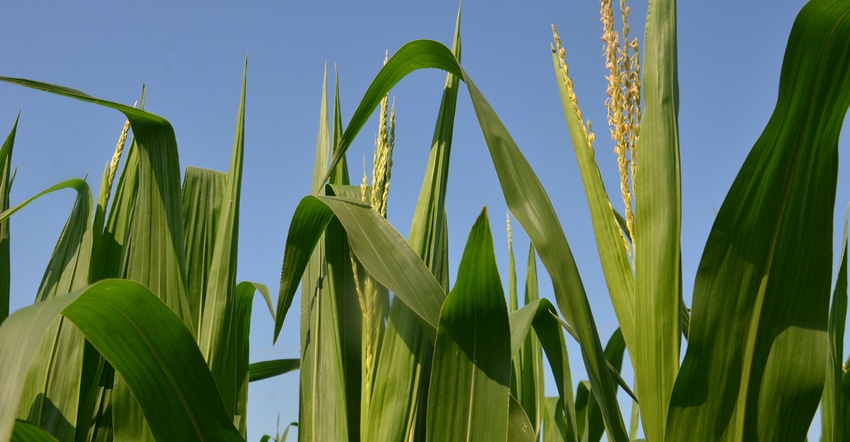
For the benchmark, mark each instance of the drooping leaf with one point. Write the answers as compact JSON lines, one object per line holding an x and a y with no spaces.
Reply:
{"x":401,"y":384}
{"x":757,"y":348}
{"x":51,"y":395}
{"x":154,"y":251}
{"x":161,"y":364}
{"x":377,"y":245}
{"x":525,"y":197}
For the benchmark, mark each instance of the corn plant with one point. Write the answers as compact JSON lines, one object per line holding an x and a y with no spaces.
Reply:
{"x":139,"y":330}
{"x":756,"y":360}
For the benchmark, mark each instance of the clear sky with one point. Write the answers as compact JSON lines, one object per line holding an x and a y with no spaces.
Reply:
{"x":190,"y":57}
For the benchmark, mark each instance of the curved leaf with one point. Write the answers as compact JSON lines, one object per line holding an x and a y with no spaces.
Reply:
{"x":378,"y":246}
{"x":27,"y":432}
{"x":145,"y":342}
{"x":757,"y":352}
{"x":526,"y":199}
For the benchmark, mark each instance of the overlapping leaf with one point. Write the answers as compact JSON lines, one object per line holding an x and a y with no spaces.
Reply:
{"x":166,"y":372}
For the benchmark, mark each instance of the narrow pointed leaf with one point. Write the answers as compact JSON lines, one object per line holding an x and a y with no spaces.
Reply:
{"x":539,"y":315}
{"x":606,"y":226}
{"x":219,"y":338}
{"x":469,"y":395}
{"x":268,"y":369}
{"x":834,"y":403}
{"x":5,"y":188}
{"x":520,"y":428}
{"x":658,"y":222}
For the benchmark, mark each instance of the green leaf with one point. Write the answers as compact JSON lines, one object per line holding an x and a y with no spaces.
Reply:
{"x":757,"y":352}
{"x":5,"y":188}
{"x":161,"y":365}
{"x":377,"y":245}
{"x":607,"y":228}
{"x":202,"y":198}
{"x":540,"y":315}
{"x":527,"y":385}
{"x":309,"y":221}
{"x":587,"y":409}
{"x":469,"y":395}
{"x":400,"y":393}
{"x":324,"y":289}
{"x":268,"y":369}
{"x":834,"y":402}
{"x":525,"y":198}
{"x":240,"y":332}
{"x":154,"y":252}
{"x":553,"y":420}
{"x":27,"y":432}
{"x":520,"y":428}
{"x":51,"y":394}
{"x":658,"y":222}
{"x":218,"y":338}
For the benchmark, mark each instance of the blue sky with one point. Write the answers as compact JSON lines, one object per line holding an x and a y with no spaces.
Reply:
{"x":190,"y":57}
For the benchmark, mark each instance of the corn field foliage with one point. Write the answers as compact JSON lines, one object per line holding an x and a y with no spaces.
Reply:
{"x":139,"y":330}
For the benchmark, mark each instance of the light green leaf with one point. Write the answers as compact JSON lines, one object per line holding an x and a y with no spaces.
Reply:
{"x":553,"y":420}
{"x":267,"y":369}
{"x":607,"y":228}
{"x":658,"y":222}
{"x":520,"y":428}
{"x":323,"y":408}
